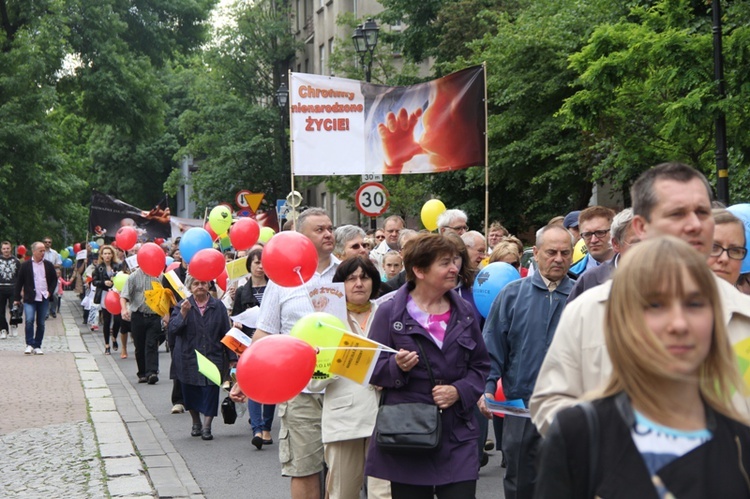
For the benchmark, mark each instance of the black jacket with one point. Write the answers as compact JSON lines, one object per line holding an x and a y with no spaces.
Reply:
{"x":718,"y":468}
{"x":25,"y":281}
{"x":100,"y":275}
{"x":244,"y":298}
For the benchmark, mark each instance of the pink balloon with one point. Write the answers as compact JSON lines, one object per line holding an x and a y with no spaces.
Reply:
{"x":151,"y":259}
{"x":275,"y":368}
{"x":207,"y":264}
{"x":112,"y":302}
{"x":172,"y":266}
{"x":126,"y":238}
{"x":210,"y":231}
{"x":244,"y":233}
{"x":289,"y":259}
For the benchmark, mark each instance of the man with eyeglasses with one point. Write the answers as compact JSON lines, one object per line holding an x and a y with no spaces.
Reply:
{"x":622,"y":239}
{"x":453,"y":221}
{"x":668,"y":199}
{"x":595,"y":223}
{"x":51,"y":255}
{"x":349,"y":242}
{"x":392,"y":228}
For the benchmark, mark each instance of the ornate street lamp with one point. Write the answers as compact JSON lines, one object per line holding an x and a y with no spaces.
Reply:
{"x":365,"y":40}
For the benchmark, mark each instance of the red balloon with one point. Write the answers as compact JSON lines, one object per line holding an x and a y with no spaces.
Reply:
{"x":500,"y":395}
{"x":76,"y":247}
{"x":289,"y":256}
{"x":214,"y":235}
{"x":207,"y":264}
{"x":126,"y":238}
{"x":275,"y":368}
{"x":151,"y":259}
{"x":222,"y":280}
{"x":159,"y":240}
{"x":244,"y":233}
{"x":112,"y":302}
{"x":21,"y":250}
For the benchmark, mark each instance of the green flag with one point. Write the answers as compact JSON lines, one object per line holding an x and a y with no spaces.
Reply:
{"x":208,"y":368}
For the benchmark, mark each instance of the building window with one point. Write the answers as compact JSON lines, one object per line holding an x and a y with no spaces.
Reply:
{"x":330,"y":53}
{"x":322,"y":55}
{"x":323,"y":199}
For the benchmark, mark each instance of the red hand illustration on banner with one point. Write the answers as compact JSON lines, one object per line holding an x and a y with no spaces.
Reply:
{"x":399,"y":145}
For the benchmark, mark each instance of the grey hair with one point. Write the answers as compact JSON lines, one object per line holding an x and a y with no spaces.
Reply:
{"x":620,"y":224}
{"x":470,"y":238}
{"x":540,"y":234}
{"x":445,"y":217}
{"x":405,"y":233}
{"x":35,"y":244}
{"x":344,"y":234}
{"x":310,"y":212}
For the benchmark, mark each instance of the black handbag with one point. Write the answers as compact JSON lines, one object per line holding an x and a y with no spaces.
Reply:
{"x":414,"y":428}
{"x":228,"y":411}
{"x":16,"y":315}
{"x":98,"y":295}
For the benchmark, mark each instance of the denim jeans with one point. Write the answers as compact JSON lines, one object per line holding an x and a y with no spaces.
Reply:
{"x":37,"y":310}
{"x":261,"y":416}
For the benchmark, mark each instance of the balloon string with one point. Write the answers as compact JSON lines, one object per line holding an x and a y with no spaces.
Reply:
{"x":301,"y":280}
{"x":336,"y":328}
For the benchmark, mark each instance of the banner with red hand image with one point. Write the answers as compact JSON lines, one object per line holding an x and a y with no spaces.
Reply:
{"x":348,"y":127}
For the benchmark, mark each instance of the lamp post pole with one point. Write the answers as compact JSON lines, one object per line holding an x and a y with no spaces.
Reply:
{"x":722,"y":168}
{"x":365,"y":40}
{"x":282,"y":98}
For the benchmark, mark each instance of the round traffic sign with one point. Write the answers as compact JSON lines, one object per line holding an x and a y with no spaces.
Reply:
{"x":239,"y":199}
{"x":372,"y":199}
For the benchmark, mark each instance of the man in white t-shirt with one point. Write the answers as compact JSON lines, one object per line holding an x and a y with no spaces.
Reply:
{"x":300,"y":439}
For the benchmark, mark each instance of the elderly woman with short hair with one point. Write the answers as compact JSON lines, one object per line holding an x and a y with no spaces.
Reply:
{"x":199,"y":323}
{"x":350,"y":241}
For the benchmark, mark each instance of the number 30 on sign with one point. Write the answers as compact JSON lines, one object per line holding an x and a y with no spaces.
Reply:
{"x":372,"y":199}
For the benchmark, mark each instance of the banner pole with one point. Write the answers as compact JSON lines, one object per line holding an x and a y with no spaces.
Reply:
{"x":291,"y":147}
{"x":486,"y":159}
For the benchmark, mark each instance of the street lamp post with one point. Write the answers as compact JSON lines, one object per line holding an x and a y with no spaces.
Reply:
{"x":365,"y":40}
{"x":282,"y":99}
{"x":722,"y":168}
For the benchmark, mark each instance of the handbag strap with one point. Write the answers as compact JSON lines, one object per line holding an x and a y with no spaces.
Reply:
{"x":426,"y":360}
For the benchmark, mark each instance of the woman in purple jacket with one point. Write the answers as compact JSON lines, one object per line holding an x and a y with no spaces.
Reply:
{"x":428,"y":310}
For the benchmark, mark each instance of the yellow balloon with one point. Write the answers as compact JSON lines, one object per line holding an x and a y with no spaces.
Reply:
{"x":579,"y":251}
{"x":220,"y":219}
{"x":266,"y":233}
{"x":320,"y":329}
{"x":431,"y":210}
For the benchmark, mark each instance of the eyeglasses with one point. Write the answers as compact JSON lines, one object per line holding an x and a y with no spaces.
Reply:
{"x":733,"y":252}
{"x":356,"y":246}
{"x":598,"y":233}
{"x":459,"y":228}
{"x":47,"y":242}
{"x":379,"y":238}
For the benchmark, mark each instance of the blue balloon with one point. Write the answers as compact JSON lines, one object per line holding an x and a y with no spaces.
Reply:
{"x":742,"y":211}
{"x":67,"y":263}
{"x":94,"y":245}
{"x":170,"y":261}
{"x":489,"y":282}
{"x":70,"y":250}
{"x":193,"y":241}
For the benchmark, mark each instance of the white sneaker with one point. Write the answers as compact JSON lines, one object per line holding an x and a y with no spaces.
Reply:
{"x":29,"y":350}
{"x":178,"y":409}
{"x":3,"y":334}
{"x":14,"y":331}
{"x":38,"y":351}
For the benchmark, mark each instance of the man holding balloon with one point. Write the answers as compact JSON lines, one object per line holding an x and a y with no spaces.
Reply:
{"x":295,"y":268}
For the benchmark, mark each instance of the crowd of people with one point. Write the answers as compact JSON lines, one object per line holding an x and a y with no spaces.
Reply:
{"x":619,"y":341}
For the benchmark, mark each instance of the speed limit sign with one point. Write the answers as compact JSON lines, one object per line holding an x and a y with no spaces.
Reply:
{"x":372,"y":199}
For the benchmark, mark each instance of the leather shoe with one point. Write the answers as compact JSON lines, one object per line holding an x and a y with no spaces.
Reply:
{"x":257,"y":441}
{"x":142,"y":379}
{"x":206,"y":434}
{"x":153,"y":379}
{"x":267,"y":442}
{"x":196,"y":430}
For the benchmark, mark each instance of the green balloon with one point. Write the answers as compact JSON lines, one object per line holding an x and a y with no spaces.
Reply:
{"x":320,"y":329}
{"x":220,"y":219}
{"x":119,"y":280}
{"x":64,"y":253}
{"x":266,"y":233}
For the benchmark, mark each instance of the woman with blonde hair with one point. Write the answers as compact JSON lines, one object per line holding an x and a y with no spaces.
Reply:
{"x":106,"y":268}
{"x":664,"y":426}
